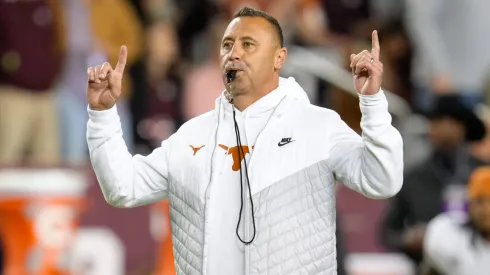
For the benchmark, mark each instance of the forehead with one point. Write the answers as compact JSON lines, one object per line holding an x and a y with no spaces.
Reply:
{"x":256,"y":27}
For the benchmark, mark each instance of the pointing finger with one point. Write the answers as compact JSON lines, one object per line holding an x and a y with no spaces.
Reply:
{"x":375,"y":46}
{"x":121,"y":63}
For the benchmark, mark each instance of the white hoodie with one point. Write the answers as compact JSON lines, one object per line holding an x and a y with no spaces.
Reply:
{"x":225,"y":187}
{"x":305,"y":150}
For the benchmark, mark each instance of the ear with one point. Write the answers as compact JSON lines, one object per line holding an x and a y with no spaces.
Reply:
{"x":281,"y":55}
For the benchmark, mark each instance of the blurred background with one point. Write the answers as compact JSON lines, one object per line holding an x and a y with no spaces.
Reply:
{"x":53,"y":217}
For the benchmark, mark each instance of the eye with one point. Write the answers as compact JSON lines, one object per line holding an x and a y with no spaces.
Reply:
{"x":247,"y":44}
{"x":227,"y":45}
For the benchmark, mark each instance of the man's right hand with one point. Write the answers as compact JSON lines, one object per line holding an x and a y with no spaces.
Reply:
{"x":104,"y":83}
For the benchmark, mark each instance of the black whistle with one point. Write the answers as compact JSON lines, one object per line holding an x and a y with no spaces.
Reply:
{"x":230,"y":76}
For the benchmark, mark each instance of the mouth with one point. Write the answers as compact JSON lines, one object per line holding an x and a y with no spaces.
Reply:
{"x":231,"y":69}
{"x":231,"y":74}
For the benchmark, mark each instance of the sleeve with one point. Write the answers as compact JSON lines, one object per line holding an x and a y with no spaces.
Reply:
{"x":126,"y":181}
{"x":422,"y":25}
{"x":372,"y":164}
{"x":440,"y":249}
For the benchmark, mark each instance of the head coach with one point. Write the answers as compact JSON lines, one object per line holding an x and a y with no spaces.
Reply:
{"x":251,"y":183}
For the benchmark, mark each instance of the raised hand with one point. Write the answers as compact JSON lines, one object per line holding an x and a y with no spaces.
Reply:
{"x":367,"y":70}
{"x":104,"y":83}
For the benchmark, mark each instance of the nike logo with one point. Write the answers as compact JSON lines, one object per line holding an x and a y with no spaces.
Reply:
{"x":284,"y":141}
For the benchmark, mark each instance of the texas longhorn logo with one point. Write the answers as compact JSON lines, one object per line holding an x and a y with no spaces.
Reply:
{"x":237,"y":155}
{"x":195,"y":149}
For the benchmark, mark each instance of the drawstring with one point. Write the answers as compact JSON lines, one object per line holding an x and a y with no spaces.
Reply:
{"x":241,"y":153}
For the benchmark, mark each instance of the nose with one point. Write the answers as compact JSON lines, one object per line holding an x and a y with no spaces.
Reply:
{"x":236,"y":53}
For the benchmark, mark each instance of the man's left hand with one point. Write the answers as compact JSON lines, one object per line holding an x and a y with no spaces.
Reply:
{"x":367,"y":70}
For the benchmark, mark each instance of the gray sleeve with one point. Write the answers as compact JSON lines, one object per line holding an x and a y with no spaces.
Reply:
{"x":424,"y":31}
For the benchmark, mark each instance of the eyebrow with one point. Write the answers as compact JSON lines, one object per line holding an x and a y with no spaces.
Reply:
{"x":229,"y":38}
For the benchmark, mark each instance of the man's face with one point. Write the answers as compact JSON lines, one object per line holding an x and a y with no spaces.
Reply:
{"x":446,"y":133}
{"x":480,"y":214}
{"x":250,"y":47}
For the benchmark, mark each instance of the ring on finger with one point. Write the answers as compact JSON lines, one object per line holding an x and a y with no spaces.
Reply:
{"x":372,"y":60}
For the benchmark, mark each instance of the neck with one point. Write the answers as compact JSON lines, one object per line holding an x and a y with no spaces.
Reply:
{"x":248,"y":97}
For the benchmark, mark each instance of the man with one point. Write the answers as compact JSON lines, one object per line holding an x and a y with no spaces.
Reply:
{"x":28,"y":71}
{"x":452,"y":247}
{"x":276,"y":192}
{"x":433,"y":185}
{"x":92,"y":42}
{"x":450,"y":40}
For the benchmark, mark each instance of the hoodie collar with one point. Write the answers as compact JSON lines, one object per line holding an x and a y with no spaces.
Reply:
{"x":288,"y":87}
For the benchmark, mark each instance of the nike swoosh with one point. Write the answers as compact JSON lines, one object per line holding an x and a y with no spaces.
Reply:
{"x":284,"y":143}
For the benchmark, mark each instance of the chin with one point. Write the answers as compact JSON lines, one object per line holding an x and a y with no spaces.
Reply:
{"x":239,"y":86}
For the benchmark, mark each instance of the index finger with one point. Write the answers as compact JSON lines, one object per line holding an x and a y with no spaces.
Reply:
{"x":375,"y":45}
{"x":121,"y":63}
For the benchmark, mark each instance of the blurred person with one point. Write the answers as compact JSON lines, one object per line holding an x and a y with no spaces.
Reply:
{"x":288,"y":204}
{"x":28,"y":120}
{"x":163,"y":49}
{"x":451,"y":40}
{"x":334,"y":29}
{"x":313,"y":27}
{"x":436,"y":184}
{"x":397,"y":57}
{"x":336,"y":24}
{"x":453,"y":247}
{"x":90,"y":27}
{"x":160,"y":11}
{"x":282,"y":10}
{"x":164,"y":77}
{"x":481,"y":149}
{"x":192,"y":18}
{"x":197,"y":101}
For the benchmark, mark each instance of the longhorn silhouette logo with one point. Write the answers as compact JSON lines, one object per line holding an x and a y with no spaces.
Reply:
{"x":236,"y":154}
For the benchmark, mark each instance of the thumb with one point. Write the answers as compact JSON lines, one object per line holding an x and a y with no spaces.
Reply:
{"x":121,"y":63}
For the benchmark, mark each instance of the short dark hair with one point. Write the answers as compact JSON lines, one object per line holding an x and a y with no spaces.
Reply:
{"x":251,"y":12}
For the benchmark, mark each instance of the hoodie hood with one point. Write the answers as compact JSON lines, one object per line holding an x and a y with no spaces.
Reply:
{"x":288,"y":87}
{"x":293,"y":89}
